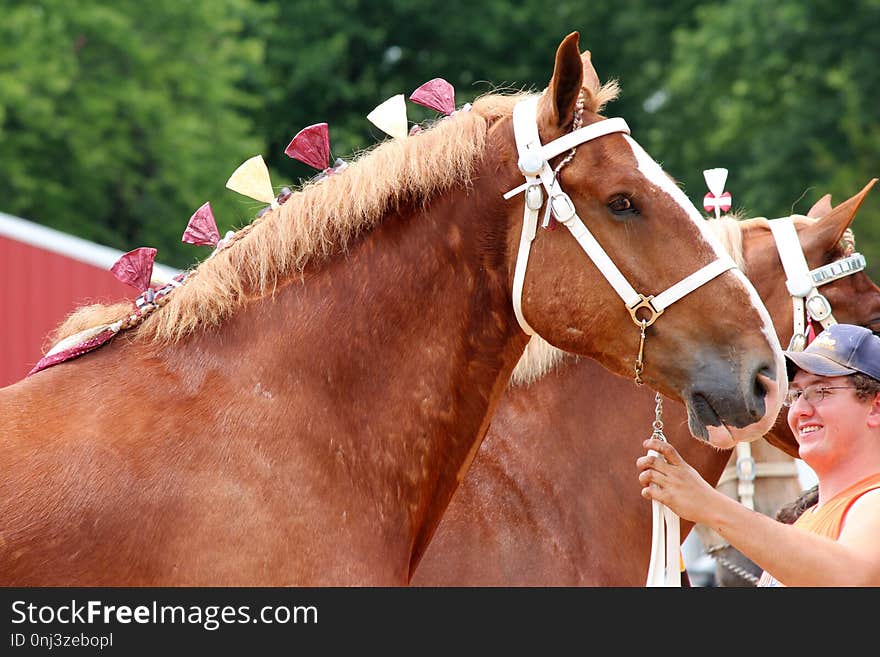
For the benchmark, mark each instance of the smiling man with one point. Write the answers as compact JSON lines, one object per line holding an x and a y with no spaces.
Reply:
{"x":834,"y":411}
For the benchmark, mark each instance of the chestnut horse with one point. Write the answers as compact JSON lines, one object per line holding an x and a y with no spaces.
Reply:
{"x":303,"y":407}
{"x":552,"y":499}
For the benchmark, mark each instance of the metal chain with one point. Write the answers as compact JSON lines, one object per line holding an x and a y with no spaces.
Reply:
{"x":732,"y":567}
{"x":640,"y":364}
{"x":658,"y":419}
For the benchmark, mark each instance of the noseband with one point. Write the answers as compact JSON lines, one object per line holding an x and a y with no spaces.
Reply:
{"x":540,"y":178}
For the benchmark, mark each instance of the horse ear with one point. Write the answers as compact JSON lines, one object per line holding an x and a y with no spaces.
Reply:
{"x":832,"y":225}
{"x":821,"y":207}
{"x":591,"y":79}
{"x":560,"y":98}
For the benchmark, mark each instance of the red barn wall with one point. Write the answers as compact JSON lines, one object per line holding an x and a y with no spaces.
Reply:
{"x":44,"y":275}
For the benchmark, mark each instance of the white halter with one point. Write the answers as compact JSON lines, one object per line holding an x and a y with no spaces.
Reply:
{"x":802,"y":282}
{"x":534,"y":164}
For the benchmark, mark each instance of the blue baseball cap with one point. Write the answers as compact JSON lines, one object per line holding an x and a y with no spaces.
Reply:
{"x":839,"y":350}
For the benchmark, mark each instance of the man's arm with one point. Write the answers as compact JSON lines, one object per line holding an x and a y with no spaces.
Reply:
{"x":793,"y":556}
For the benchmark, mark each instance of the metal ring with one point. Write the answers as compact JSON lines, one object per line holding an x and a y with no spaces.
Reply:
{"x":644,"y":302}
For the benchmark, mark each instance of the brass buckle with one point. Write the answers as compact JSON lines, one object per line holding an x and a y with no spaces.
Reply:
{"x":644,"y":302}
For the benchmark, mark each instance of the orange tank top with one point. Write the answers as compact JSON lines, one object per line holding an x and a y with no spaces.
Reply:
{"x":827,"y":520}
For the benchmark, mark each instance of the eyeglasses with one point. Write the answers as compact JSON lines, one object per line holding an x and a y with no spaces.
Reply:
{"x":813,"y":394}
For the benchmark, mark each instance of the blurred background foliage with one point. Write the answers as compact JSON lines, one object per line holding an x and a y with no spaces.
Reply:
{"x":119,"y":118}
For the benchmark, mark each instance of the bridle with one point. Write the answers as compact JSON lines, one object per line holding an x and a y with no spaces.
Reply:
{"x":802,"y":281}
{"x":542,"y":179}
{"x":807,"y":304}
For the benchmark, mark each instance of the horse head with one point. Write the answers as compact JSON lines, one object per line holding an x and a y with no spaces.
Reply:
{"x":672,"y":306}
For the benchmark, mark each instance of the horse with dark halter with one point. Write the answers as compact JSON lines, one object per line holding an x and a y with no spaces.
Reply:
{"x":301,"y":409}
{"x":551,"y":498}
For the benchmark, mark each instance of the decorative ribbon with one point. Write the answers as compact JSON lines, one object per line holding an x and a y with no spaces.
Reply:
{"x":390,"y":117}
{"x":135,"y":268}
{"x":251,"y":179}
{"x":436,"y":94}
{"x":311,"y":145}
{"x":717,"y":200}
{"x":202,"y":228}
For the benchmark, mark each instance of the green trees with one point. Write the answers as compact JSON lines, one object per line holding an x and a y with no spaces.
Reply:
{"x":786,"y":96}
{"x":119,"y":119}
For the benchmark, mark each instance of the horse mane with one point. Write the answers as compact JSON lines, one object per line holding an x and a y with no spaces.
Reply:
{"x":794,"y":510}
{"x":322,"y":219}
{"x":540,"y":357}
{"x":729,"y":231}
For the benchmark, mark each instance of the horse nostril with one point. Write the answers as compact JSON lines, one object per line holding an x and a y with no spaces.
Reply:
{"x":758,"y":387}
{"x":761,"y":381}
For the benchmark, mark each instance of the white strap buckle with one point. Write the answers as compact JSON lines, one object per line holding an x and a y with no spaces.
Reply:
{"x":802,"y":282}
{"x":534,"y":196}
{"x":563,"y":208}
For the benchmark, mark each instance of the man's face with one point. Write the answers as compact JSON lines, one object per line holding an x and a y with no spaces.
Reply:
{"x":823,"y":428}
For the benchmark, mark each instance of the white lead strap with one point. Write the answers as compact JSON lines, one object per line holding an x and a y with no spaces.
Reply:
{"x":664,"y":568}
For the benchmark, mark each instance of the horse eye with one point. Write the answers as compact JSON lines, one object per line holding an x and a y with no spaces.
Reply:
{"x":622,"y":205}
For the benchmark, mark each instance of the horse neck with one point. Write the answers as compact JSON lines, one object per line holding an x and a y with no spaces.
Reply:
{"x":414,"y":334}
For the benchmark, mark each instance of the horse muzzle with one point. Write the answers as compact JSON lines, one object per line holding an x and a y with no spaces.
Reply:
{"x":725,"y":415}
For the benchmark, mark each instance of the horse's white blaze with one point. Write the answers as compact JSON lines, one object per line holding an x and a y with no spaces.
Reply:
{"x":654,"y":173}
{"x":723,"y":437}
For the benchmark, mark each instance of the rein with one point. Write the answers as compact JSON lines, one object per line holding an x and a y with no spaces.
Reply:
{"x":541,"y":178}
